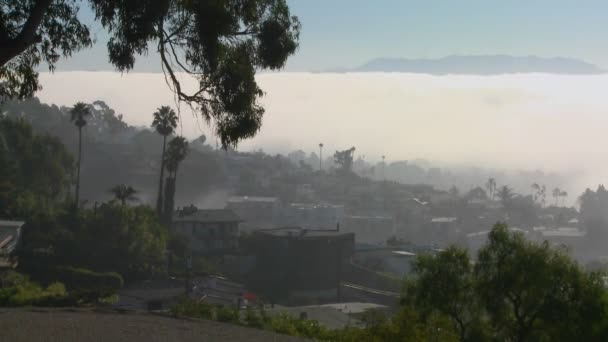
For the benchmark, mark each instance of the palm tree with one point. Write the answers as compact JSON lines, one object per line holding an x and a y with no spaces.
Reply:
{"x":491,"y":187}
{"x":542,"y":194}
{"x":320,"y":157}
{"x":556,"y":194}
{"x":505,"y":194}
{"x":563,"y":195}
{"x":176,"y":153}
{"x":124,"y":193}
{"x":78,"y":116}
{"x":165,"y":122}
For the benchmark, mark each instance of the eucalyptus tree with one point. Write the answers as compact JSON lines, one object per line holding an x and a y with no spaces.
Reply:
{"x":220,"y":44}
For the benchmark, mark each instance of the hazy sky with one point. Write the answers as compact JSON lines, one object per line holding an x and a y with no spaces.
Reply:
{"x":532,"y":121}
{"x":347,"y":33}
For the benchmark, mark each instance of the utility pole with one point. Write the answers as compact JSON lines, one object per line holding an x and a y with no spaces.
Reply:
{"x":320,"y":157}
{"x":384,"y":168}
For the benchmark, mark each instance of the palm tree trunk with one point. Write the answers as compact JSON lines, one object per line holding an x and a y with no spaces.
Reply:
{"x":159,"y":200}
{"x":77,"y":197}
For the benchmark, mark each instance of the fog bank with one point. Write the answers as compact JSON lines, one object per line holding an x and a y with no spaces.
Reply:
{"x":527,"y":121}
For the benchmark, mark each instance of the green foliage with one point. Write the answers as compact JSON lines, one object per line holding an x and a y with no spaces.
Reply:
{"x":35,"y":170}
{"x":445,"y":284}
{"x":79,"y":114}
{"x":405,"y":326}
{"x":219,"y":43}
{"x":124,"y":193}
{"x":177,"y":151}
{"x":190,"y":308}
{"x":18,"y":290}
{"x":517,"y":290}
{"x":36,"y":31}
{"x":227,"y":315}
{"x":345,"y":159}
{"x":253,"y":320}
{"x":535,"y":292}
{"x":106,"y":238}
{"x":164,"y":121}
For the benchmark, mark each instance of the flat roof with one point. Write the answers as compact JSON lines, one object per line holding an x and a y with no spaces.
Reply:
{"x":242,"y":199}
{"x":11,"y":224}
{"x":563,"y":233}
{"x":357,"y":217}
{"x":444,"y":219}
{"x":210,"y":216}
{"x":301,"y":232}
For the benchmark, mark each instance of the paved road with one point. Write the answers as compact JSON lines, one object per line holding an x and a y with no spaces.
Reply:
{"x":64,"y":325}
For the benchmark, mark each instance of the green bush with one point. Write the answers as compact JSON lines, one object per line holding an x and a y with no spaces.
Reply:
{"x":18,"y":290}
{"x":253,"y":320}
{"x":190,"y":308}
{"x":228,"y":315}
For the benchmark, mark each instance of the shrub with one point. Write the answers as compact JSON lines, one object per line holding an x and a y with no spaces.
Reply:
{"x":191,"y":308}
{"x":18,"y":290}
{"x":253,"y":320}
{"x":228,"y":315}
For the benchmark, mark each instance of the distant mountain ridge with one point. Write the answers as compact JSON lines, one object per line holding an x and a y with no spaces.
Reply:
{"x":479,"y":65}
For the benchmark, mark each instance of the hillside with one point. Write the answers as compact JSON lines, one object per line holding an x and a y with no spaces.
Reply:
{"x":480,"y":65}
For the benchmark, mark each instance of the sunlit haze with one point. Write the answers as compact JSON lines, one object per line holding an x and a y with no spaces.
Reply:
{"x":526,"y":121}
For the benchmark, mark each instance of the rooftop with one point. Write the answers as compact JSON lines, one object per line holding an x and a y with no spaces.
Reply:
{"x":11,"y":224}
{"x":563,"y":232}
{"x":301,"y":232}
{"x":242,"y":199}
{"x":444,"y":219}
{"x":404,"y":253}
{"x":10,"y":232}
{"x":209,"y":216}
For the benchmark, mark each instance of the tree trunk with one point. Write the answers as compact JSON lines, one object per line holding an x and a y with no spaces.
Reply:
{"x":159,"y":200}
{"x":78,"y":168}
{"x":167,"y":216}
{"x":10,"y":48}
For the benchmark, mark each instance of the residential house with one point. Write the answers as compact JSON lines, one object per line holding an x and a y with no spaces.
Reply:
{"x":255,"y":212}
{"x":300,"y":265}
{"x":209,"y":231}
{"x":10,"y":237}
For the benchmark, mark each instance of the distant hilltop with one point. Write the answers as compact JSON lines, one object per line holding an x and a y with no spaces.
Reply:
{"x":479,"y":65}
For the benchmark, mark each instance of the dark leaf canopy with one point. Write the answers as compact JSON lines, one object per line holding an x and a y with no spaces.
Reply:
{"x":221,"y":43}
{"x":165,"y":121}
{"x":177,"y":150}
{"x":79,"y":113}
{"x":32,"y":32}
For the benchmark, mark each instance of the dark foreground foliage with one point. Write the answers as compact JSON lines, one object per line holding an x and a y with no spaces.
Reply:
{"x":516,"y":290}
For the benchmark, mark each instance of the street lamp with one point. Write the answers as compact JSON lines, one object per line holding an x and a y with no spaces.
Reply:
{"x":384,"y":167}
{"x":320,"y":156}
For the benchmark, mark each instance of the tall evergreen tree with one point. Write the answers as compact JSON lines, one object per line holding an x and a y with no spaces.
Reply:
{"x":176,"y":153}
{"x":165,"y":122}
{"x":78,"y":116}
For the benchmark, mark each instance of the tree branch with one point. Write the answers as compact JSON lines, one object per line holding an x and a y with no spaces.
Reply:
{"x":13,"y":47}
{"x":196,"y":97}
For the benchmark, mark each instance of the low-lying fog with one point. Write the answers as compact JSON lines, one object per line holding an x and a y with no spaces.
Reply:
{"x":529,"y":121}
